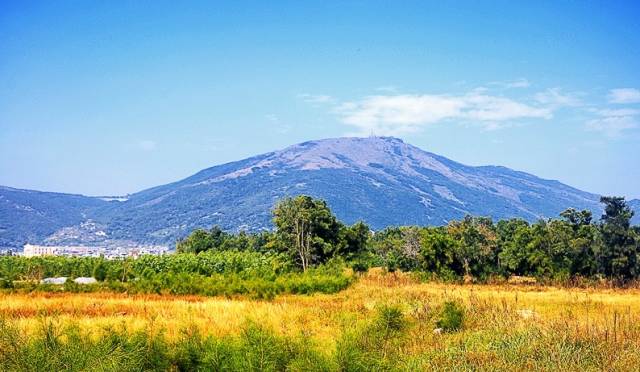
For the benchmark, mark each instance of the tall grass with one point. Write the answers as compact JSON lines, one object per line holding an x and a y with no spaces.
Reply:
{"x":381,"y":323}
{"x":383,"y":343}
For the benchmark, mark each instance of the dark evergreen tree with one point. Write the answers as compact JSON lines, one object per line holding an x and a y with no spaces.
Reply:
{"x":619,"y":254}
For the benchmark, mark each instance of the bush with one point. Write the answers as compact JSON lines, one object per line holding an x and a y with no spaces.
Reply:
{"x":211,"y":273}
{"x":56,"y":348}
{"x":364,"y":261}
{"x":6,"y":284}
{"x":373,"y":346}
{"x":316,"y":280}
{"x":390,"y":318}
{"x":451,"y":317}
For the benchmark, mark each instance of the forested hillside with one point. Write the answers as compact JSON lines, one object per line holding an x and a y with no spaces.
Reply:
{"x":380,"y":180}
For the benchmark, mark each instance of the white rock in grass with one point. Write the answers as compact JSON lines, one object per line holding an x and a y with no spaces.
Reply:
{"x":526,"y":313}
{"x":85,"y":280}
{"x":437,"y":331}
{"x":59,"y":281}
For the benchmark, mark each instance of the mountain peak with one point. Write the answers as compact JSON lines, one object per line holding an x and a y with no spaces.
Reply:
{"x":380,"y":180}
{"x":344,"y":143}
{"x":383,"y":156}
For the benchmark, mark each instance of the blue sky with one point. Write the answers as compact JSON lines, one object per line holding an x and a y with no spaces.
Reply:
{"x":105,"y":98}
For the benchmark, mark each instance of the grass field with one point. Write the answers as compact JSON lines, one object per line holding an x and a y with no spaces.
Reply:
{"x":505,"y":327}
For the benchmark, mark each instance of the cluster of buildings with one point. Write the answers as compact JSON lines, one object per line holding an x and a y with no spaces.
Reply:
{"x":31,"y":250}
{"x":7,"y":251}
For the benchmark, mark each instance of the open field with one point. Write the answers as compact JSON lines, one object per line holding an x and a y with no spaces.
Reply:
{"x":505,"y":327}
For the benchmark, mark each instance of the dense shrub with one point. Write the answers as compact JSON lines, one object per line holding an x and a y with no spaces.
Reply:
{"x":316,"y":280}
{"x":212,"y":262}
{"x":249,"y":264}
{"x":390,"y":318}
{"x":374,"y":345}
{"x":256,"y":349}
{"x":226,"y":273}
{"x":451,"y":317}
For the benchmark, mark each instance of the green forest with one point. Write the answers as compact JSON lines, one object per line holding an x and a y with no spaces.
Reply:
{"x":309,"y":250}
{"x":572,"y":246}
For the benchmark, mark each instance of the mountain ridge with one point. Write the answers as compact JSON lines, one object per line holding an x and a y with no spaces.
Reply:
{"x":381,"y":180}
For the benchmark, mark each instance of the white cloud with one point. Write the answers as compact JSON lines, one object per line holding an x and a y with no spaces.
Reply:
{"x":617,"y":112}
{"x":399,"y":113}
{"x":491,"y":108}
{"x":389,"y":112}
{"x":554,"y":97}
{"x":612,"y":123}
{"x":612,"y":126}
{"x":147,"y":145}
{"x":519,"y":83}
{"x":624,"y":95}
{"x":396,"y":114}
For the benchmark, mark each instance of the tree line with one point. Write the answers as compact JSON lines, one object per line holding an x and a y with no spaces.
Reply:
{"x":570,"y":246}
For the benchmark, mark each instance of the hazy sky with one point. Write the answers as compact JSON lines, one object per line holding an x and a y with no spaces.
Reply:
{"x":111,"y":97}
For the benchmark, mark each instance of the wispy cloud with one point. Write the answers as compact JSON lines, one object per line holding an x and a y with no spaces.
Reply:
{"x":316,"y":98}
{"x":484,"y":107}
{"x":387,"y":89}
{"x":512,"y":84}
{"x":624,"y":95}
{"x":397,"y":114}
{"x":147,"y":145}
{"x":491,"y":107}
{"x":612,"y":123}
{"x":279,"y":126}
{"x":555,"y":97}
{"x":617,"y":112}
{"x":519,"y":83}
{"x":612,"y":126}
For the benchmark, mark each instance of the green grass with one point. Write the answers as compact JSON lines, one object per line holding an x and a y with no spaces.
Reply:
{"x":378,"y":344}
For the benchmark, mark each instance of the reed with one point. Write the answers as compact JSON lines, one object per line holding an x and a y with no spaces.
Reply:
{"x":382,"y":322}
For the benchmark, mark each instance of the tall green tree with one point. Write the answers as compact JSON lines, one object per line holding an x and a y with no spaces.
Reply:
{"x":619,"y":254}
{"x":514,"y":237}
{"x":577,"y":218}
{"x":584,"y":243}
{"x":476,"y":248}
{"x":353,"y":240}
{"x":306,"y":228}
{"x":436,"y":251}
{"x":388,"y":245}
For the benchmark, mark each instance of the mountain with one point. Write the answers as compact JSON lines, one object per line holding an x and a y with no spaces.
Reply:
{"x":29,"y":216}
{"x":380,"y":180}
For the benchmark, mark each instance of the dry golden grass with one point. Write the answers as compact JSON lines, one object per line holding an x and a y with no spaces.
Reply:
{"x":606,"y":315}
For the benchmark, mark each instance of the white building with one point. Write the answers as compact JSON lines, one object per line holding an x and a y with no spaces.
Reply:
{"x":40,"y":250}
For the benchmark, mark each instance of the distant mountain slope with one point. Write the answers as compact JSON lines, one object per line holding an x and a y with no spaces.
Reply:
{"x":30,"y":216}
{"x":380,"y":180}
